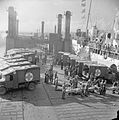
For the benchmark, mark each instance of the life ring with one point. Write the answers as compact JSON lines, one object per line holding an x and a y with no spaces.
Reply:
{"x":105,"y":55}
{"x":97,"y":72}
{"x":29,"y":76}
{"x":30,"y":59}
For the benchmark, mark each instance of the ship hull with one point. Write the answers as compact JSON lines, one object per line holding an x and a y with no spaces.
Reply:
{"x":102,"y":60}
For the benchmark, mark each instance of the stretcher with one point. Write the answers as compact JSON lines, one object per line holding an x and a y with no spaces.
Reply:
{"x":115,"y":88}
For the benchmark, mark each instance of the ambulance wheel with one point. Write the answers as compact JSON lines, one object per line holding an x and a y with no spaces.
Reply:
{"x":31,"y":86}
{"x":113,"y":91}
{"x":2,"y":90}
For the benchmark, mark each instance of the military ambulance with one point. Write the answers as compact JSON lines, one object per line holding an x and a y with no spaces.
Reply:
{"x":27,"y":54}
{"x":30,"y":57}
{"x":20,"y":76}
{"x":101,"y":71}
{"x":59,"y":57}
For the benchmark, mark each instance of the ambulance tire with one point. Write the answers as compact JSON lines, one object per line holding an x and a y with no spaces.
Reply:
{"x":3,"y":90}
{"x":31,"y":86}
{"x":113,"y":91}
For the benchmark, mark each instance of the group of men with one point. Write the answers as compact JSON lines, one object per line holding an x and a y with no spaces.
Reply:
{"x":49,"y":75}
{"x":91,"y":84}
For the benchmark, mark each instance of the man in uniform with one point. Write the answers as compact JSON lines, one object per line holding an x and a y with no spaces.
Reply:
{"x":61,"y":64}
{"x":63,"y":90}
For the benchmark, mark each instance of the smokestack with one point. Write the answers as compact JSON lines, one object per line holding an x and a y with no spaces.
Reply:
{"x":67,"y":25}
{"x":59,"y":24}
{"x":17,"y":27}
{"x":55,"y":29}
{"x":42,"y":32}
{"x":42,"y":27}
{"x":67,"y":42}
{"x":12,"y":22}
{"x":15,"y":23}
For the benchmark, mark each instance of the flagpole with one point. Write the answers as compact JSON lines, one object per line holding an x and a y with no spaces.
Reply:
{"x":88,"y":15}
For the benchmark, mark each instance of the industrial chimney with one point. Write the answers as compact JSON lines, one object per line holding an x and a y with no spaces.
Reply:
{"x":12,"y":22}
{"x":67,"y":41}
{"x":42,"y":32}
{"x":59,"y":24}
{"x":67,"y":25}
{"x":17,"y":27}
{"x":55,"y":29}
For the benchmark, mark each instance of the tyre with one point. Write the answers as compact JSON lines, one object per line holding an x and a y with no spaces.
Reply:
{"x":31,"y":86}
{"x":2,"y":90}
{"x":113,"y":91}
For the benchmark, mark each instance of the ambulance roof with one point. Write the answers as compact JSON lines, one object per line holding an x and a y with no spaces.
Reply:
{"x":4,"y":66}
{"x":8,"y":71}
{"x":16,"y":60}
{"x":13,"y":57}
{"x":16,"y":68}
{"x":60,"y":52}
{"x":29,"y":53}
{"x":18,"y":51}
{"x":95,"y":64}
{"x":74,"y":57}
{"x":25,"y":67}
{"x":66,"y":53}
{"x":19,"y":63}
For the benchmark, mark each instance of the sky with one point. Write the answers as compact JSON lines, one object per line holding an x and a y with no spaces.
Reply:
{"x":31,"y":12}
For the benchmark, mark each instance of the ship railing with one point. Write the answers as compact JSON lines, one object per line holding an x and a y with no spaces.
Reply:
{"x":105,"y":53}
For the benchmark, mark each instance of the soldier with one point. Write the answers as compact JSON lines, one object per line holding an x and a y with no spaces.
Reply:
{"x":102,"y":87}
{"x":75,"y":81}
{"x":51,"y":74}
{"x":46,"y":77}
{"x":61,"y":64}
{"x":63,"y":90}
{"x":56,"y":83}
{"x":56,"y":76}
{"x":115,"y":87}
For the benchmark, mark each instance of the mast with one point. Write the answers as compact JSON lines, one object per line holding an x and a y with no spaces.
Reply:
{"x":88,"y":15}
{"x":89,"y":57}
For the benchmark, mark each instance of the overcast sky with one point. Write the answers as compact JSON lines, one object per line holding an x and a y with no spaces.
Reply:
{"x":32,"y":12}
